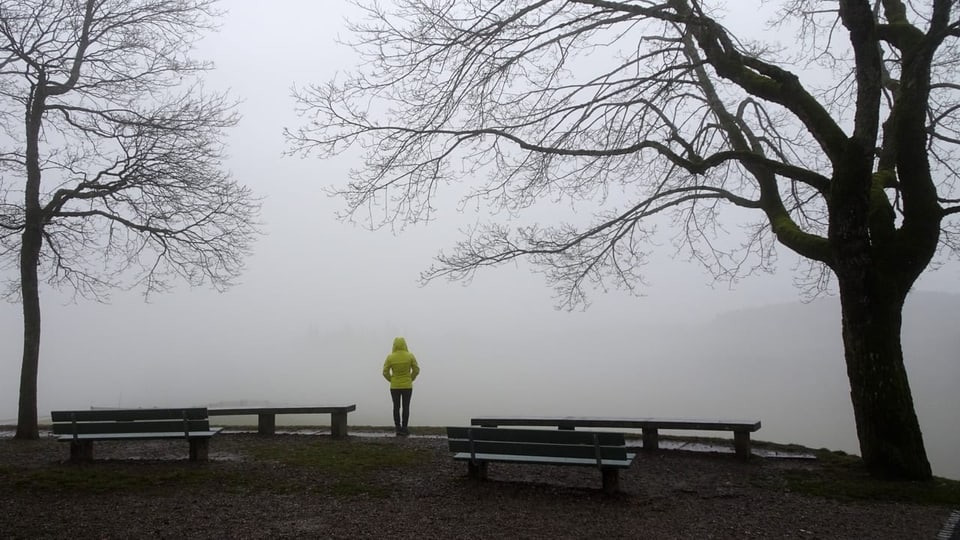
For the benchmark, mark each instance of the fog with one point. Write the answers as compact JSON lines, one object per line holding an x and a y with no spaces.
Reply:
{"x":321,"y":301}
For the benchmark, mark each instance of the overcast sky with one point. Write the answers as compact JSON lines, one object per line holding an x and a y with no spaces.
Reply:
{"x":321,"y":300}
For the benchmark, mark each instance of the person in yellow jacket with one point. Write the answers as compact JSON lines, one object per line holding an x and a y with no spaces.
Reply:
{"x":401,"y":369}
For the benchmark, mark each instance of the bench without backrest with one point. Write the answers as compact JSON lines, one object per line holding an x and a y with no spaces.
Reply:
{"x":267,"y":416}
{"x":81,"y":428}
{"x":650,"y":426}
{"x":479,"y":446}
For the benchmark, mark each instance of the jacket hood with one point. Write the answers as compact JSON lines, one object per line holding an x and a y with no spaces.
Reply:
{"x":399,"y":344}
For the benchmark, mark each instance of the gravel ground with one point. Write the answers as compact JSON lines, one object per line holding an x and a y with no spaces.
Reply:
{"x":665,"y":495}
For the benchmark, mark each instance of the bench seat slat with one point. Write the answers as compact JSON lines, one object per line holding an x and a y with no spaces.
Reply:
{"x":151,"y":426}
{"x":577,"y":451}
{"x":243,"y":411}
{"x":543,"y":460}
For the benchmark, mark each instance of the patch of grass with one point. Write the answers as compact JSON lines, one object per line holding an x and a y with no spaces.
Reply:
{"x":351,"y":466}
{"x":352,"y":488}
{"x":721,"y":441}
{"x":781,"y":447}
{"x":111,"y":480}
{"x":341,"y":457}
{"x":844,"y":477}
{"x":283,"y":464}
{"x":416,"y":430}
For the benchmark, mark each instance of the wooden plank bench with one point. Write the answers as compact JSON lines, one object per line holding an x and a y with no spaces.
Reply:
{"x":650,"y":426}
{"x":479,"y":445}
{"x":81,"y":428}
{"x":267,"y":416}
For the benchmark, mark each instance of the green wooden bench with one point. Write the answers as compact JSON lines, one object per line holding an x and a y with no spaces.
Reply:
{"x":81,"y":428}
{"x":267,"y":416}
{"x":650,"y":426}
{"x":479,"y":446}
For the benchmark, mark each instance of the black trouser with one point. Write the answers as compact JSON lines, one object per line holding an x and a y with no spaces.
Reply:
{"x":401,"y":395}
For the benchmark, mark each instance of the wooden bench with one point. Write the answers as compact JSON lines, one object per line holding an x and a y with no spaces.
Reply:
{"x":81,"y":428}
{"x":650,"y":426}
{"x":267,"y":416}
{"x":479,"y":445}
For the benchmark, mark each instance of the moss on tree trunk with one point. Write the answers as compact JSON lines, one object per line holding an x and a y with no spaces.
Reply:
{"x":890,"y":438}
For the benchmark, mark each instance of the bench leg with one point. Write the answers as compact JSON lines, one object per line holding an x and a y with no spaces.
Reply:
{"x":266,"y":424}
{"x":199,"y":449}
{"x":478,"y":470}
{"x":611,"y":481}
{"x":338,"y":425}
{"x":81,"y":451}
{"x":741,"y":443}
{"x":651,"y":439}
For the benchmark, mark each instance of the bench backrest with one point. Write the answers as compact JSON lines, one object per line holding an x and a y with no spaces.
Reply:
{"x":85,"y":422}
{"x":538,"y":442}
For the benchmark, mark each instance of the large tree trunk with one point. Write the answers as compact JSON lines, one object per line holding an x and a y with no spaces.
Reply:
{"x":890,"y":439}
{"x":875,"y":267}
{"x":29,"y":260}
{"x":29,"y":264}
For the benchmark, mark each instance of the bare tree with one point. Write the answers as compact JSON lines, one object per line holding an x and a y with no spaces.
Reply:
{"x":111,"y":164}
{"x":843,"y":148}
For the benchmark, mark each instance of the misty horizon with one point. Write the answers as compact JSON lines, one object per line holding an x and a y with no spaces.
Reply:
{"x":748,"y":363}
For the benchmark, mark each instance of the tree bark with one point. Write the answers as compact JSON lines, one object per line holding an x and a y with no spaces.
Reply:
{"x":29,"y":259}
{"x":29,"y":263}
{"x":874,"y":280}
{"x":891,"y":442}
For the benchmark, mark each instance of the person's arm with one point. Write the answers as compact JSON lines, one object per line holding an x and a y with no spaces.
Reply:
{"x":386,"y":369}
{"x":414,"y":368}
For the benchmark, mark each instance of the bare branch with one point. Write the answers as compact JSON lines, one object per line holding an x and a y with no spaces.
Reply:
{"x":132,"y":178}
{"x":612,"y":104}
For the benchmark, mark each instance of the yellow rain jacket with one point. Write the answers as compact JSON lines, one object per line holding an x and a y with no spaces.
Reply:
{"x":400,"y":367}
